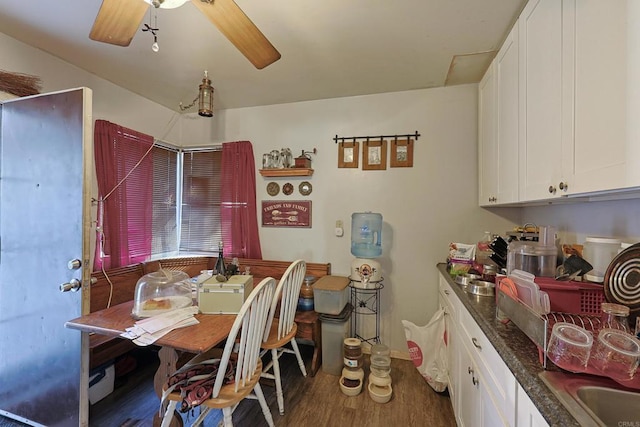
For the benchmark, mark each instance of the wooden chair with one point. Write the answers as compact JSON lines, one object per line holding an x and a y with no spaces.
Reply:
{"x":282,"y":330}
{"x":246,"y":334}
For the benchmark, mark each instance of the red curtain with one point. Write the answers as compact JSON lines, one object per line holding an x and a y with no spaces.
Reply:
{"x":238,"y":207}
{"x":124,"y":172}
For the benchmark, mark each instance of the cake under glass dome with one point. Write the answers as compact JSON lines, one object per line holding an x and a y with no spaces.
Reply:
{"x":161,"y":291}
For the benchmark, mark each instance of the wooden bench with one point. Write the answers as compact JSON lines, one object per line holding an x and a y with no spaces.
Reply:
{"x":118,"y":285}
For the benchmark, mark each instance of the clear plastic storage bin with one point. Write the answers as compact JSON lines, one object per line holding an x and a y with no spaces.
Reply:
{"x":334,"y":330}
{"x":330,"y":294}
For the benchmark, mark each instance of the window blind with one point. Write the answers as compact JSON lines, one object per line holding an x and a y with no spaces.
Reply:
{"x":164,"y":226}
{"x":201,"y":175}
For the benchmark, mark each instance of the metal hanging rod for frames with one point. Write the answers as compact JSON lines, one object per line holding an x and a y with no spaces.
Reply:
{"x":337,"y":138}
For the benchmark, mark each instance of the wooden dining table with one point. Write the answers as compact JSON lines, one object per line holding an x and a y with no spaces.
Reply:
{"x":211,"y":330}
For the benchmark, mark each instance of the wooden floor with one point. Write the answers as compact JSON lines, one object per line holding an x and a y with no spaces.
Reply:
{"x":310,"y":401}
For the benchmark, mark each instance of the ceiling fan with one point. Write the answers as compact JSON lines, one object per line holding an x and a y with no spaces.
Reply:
{"x":118,"y":21}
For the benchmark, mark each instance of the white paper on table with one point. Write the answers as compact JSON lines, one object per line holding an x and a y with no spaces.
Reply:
{"x":147,"y":339}
{"x":160,"y":322}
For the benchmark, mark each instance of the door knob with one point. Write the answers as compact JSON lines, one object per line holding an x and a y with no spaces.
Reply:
{"x":74,"y":286}
{"x":74,"y":264}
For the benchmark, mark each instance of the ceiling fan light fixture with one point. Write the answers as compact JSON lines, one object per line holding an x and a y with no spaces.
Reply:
{"x":166,"y":4}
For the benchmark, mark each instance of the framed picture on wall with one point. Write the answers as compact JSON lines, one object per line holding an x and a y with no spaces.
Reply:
{"x":402,"y":153}
{"x":348,"y":154}
{"x":374,"y":155}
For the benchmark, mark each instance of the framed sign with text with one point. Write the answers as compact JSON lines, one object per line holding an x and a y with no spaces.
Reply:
{"x":285,"y":213}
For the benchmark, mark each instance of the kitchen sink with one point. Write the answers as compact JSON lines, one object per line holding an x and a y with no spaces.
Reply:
{"x":593,"y":400}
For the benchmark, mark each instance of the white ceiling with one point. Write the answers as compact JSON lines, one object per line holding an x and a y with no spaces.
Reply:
{"x":330,"y":48}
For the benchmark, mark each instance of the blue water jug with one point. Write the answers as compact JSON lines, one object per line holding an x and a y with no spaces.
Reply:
{"x":366,"y":234}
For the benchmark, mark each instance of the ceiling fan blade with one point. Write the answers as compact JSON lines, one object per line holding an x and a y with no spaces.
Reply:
{"x":238,"y":28}
{"x":118,"y":21}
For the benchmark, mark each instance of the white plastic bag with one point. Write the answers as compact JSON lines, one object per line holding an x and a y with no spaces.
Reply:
{"x":428,"y":350}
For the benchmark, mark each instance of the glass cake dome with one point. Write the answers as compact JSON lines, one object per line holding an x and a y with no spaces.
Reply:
{"x":161,"y":291}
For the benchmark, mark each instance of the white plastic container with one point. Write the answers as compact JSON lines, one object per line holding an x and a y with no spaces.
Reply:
{"x":101,"y":382}
{"x":330,"y":294}
{"x":599,"y":251}
{"x":334,"y":330}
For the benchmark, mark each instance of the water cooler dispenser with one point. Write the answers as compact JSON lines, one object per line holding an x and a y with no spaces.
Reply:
{"x":366,"y":244}
{"x":366,"y":274}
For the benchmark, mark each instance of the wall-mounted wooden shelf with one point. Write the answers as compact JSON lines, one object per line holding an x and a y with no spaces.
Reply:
{"x":286,"y":172}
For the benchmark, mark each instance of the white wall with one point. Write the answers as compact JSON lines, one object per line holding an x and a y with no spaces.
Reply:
{"x":424,"y":207}
{"x":575,"y":222}
{"x":110,"y":102}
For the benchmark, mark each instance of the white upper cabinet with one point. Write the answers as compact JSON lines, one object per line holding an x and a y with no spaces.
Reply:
{"x":578,"y":103}
{"x":507,"y":78}
{"x":487,"y":147}
{"x":602,"y":53}
{"x":498,"y":127}
{"x":541,"y":100}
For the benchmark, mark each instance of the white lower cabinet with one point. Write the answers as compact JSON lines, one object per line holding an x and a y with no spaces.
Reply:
{"x":487,"y":378}
{"x":449,"y":303}
{"x":477,"y":404}
{"x":483,"y":390}
{"x":527,"y":414}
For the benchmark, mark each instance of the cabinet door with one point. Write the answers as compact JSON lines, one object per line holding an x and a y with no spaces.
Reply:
{"x":540,"y":27}
{"x":448,"y":303}
{"x":527,"y":414}
{"x":506,"y":160}
{"x":602,"y":60}
{"x":491,"y":416}
{"x":487,"y":142}
{"x":468,"y":396}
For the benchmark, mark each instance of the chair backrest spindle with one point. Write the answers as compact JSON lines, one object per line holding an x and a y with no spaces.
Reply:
{"x":249,"y":323}
{"x":286,"y":294}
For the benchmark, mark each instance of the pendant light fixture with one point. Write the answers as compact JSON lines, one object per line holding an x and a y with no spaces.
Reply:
{"x":204,"y":98}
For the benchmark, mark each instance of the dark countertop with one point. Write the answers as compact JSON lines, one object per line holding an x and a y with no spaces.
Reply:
{"x":519,"y":353}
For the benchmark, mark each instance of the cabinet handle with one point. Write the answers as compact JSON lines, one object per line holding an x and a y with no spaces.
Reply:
{"x":474,"y":380}
{"x":564,"y":186}
{"x":552,"y":189}
{"x":475,"y":343}
{"x":446,"y":291}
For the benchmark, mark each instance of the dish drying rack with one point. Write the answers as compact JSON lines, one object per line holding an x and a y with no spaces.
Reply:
{"x":537,"y":327}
